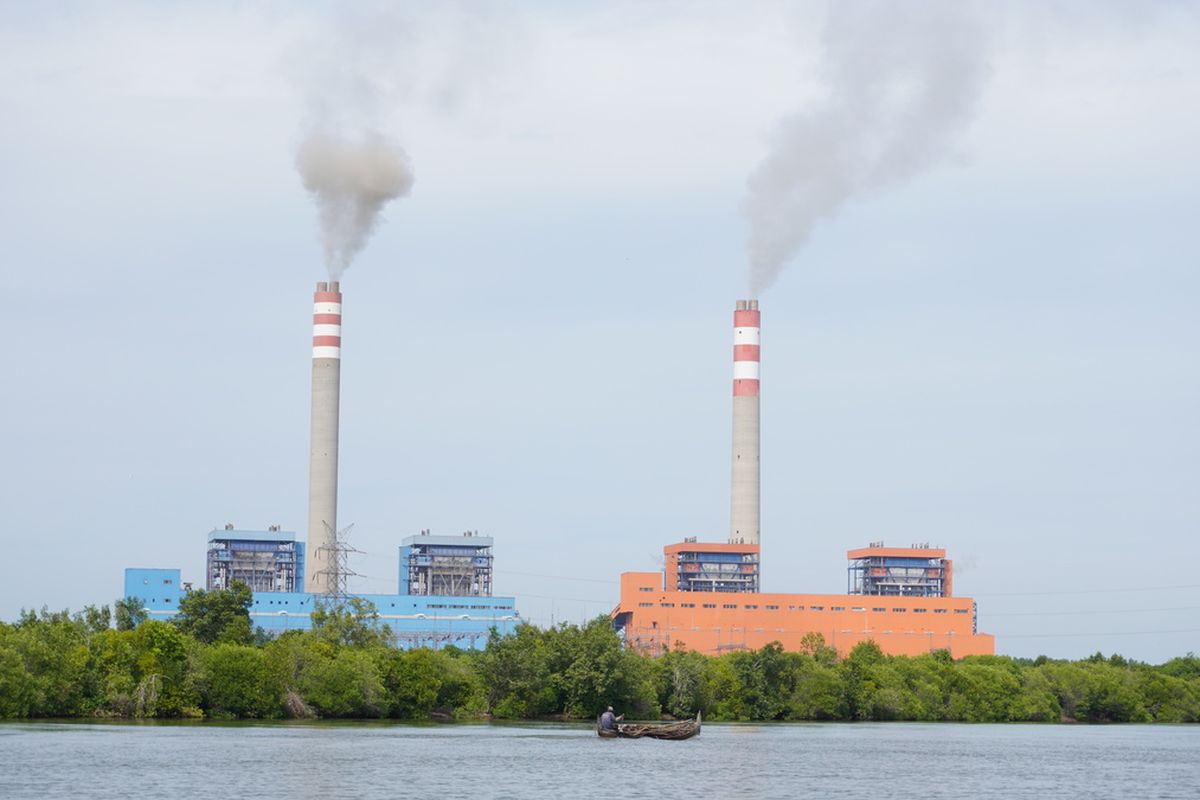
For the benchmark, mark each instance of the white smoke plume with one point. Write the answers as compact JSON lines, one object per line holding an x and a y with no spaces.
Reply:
{"x":367,"y":68}
{"x":351,"y":180}
{"x":901,"y":79}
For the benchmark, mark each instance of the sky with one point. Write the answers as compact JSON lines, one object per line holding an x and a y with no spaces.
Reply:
{"x":995,"y":352}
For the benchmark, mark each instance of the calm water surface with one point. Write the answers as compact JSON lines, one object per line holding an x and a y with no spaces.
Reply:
{"x":78,"y":760}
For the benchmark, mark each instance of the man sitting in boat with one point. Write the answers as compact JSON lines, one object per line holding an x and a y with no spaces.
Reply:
{"x":608,"y":720}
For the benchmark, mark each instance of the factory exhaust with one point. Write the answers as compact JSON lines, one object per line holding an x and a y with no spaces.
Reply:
{"x":744,"y":499}
{"x":323,"y":442}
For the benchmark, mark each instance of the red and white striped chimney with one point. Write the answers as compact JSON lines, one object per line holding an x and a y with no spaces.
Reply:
{"x":744,"y":500}
{"x":323,"y":442}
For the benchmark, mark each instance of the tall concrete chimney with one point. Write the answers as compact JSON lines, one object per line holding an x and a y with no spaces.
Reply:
{"x":323,"y":441}
{"x":744,"y":500}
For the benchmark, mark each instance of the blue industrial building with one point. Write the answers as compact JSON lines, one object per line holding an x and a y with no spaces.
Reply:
{"x":449,"y":565}
{"x":428,"y":619}
{"x":266,"y":561}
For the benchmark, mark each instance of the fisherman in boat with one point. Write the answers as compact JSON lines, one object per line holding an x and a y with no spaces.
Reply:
{"x":608,"y":720}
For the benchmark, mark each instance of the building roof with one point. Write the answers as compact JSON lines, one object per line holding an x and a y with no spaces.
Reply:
{"x":221,"y":535}
{"x":452,"y":541}
{"x":896,"y":552}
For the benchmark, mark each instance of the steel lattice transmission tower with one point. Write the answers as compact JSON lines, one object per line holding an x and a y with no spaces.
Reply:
{"x":336,"y":558}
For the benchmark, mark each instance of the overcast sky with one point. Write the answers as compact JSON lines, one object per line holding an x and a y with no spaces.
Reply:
{"x":996,"y":354}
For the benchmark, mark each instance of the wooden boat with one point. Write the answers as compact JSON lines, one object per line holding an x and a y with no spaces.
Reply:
{"x":683,"y":729}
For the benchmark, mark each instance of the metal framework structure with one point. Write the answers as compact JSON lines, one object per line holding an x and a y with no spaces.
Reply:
{"x":917,"y":571}
{"x":335,"y":575}
{"x":717,"y":572}
{"x":266,"y":561}
{"x":459,"y":566}
{"x":436,"y":640}
{"x":700,"y":567}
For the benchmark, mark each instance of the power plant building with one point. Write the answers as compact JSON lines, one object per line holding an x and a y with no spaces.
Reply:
{"x":445,"y":594}
{"x":266,"y":561}
{"x":708,"y":597}
{"x":415,"y":621}
{"x":695,"y":567}
{"x":446,"y":565}
{"x":917,"y":571}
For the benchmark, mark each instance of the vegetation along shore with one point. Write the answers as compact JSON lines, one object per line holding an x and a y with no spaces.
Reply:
{"x":208,"y":663}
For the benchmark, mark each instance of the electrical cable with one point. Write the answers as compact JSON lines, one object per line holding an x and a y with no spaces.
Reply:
{"x":1093,"y":611}
{"x":1113,"y":633}
{"x":1105,"y":590}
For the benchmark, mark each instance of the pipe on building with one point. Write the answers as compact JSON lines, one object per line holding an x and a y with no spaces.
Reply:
{"x":323,"y":441}
{"x":744,"y":500}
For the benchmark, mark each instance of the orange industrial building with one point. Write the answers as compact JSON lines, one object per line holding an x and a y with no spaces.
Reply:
{"x":708,"y":597}
{"x":910,"y":609}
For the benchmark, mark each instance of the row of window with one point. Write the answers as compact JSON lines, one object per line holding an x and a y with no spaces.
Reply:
{"x":754,"y":607}
{"x":868,"y":632}
{"x":393,"y":605}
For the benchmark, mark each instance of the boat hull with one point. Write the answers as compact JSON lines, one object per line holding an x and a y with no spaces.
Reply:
{"x":684,"y":729}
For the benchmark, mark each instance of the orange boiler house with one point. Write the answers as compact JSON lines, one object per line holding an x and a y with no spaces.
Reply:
{"x":653,"y":619}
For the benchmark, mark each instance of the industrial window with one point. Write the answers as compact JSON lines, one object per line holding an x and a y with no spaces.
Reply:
{"x":772,"y":608}
{"x":645,"y":605}
{"x":793,"y":608}
{"x":666,"y":605}
{"x":858,"y":608}
{"x":710,"y":605}
{"x":920,"y":610}
{"x":816,"y":608}
{"x":838,"y":608}
{"x":878,"y":610}
{"x":167,"y":581}
{"x":939,"y":611}
{"x":899,"y":610}
{"x":645,"y":588}
{"x":751,"y":606}
{"x":960,"y":611}
{"x":687,"y":605}
{"x":729,"y":605}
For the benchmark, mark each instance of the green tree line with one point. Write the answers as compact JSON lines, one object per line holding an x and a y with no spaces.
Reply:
{"x":208,"y":663}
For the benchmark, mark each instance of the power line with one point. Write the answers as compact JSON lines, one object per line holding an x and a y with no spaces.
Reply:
{"x":1105,"y":590}
{"x":391,"y":557}
{"x":1111,"y":633}
{"x":571,"y":599}
{"x":558,"y":577}
{"x":1092,"y":611}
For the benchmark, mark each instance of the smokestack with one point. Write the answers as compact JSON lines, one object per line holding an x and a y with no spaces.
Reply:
{"x":743,"y":527}
{"x":323,"y":442}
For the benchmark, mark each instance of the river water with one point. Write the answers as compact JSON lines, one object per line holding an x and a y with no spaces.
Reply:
{"x":375,"y":760}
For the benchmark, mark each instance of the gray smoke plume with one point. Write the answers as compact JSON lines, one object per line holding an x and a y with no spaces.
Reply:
{"x":901,"y":79}
{"x":351,"y":180}
{"x":369,"y":66}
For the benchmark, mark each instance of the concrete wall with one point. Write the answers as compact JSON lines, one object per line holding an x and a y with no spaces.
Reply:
{"x":654,"y":619}
{"x":159,"y":590}
{"x":417,"y":621}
